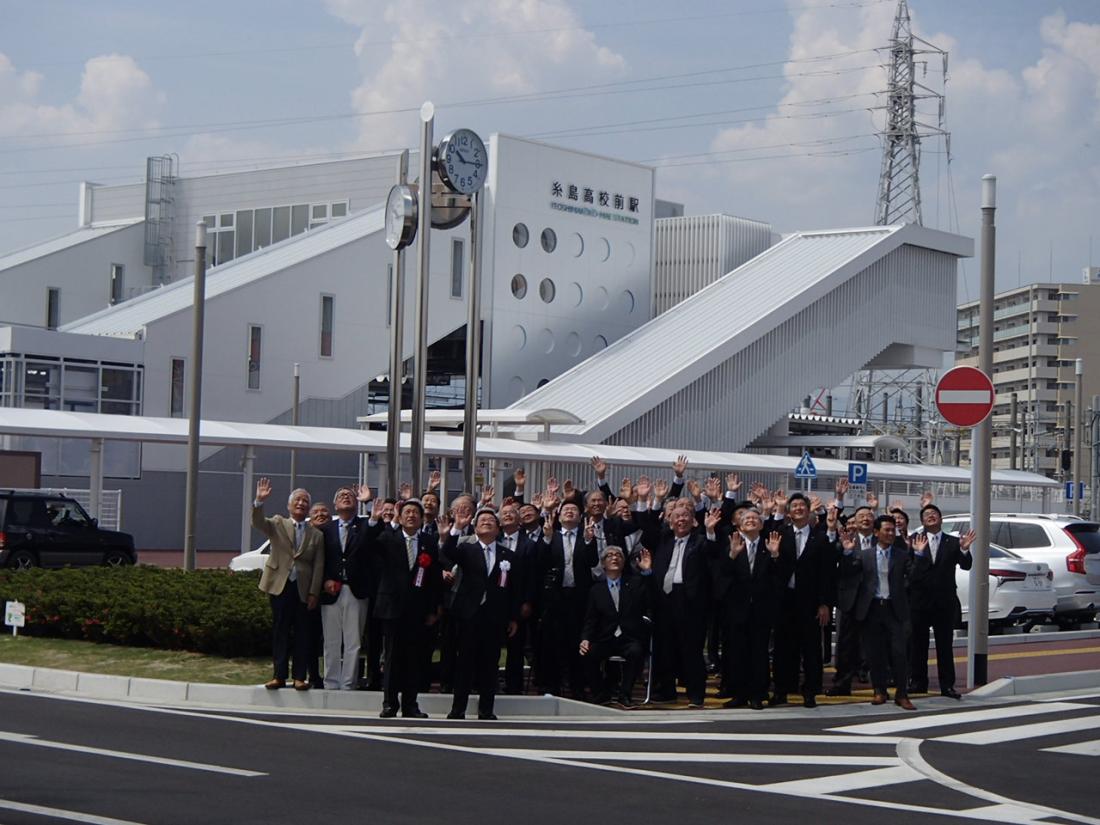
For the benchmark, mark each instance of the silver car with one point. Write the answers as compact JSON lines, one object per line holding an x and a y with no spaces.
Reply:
{"x":1020,"y":591}
{"x":1063,"y":542}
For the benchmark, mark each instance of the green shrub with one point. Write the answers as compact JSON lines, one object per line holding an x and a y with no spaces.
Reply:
{"x":209,"y":611}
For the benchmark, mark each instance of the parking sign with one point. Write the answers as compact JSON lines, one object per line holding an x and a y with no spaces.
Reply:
{"x":857,"y":474}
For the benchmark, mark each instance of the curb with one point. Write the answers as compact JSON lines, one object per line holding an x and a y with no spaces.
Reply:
{"x":1043,"y":683}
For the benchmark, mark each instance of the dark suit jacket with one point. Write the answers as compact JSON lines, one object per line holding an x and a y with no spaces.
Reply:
{"x":345,"y":564}
{"x":635,"y":602}
{"x":932,"y":586}
{"x":862,"y":566}
{"x":525,"y":566}
{"x":847,"y":587}
{"x":398,"y":595}
{"x":814,"y":583}
{"x":501,"y":600}
{"x":552,"y":562}
{"x":696,"y":565}
{"x":753,"y":592}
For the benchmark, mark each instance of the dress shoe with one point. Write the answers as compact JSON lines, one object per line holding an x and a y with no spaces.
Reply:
{"x":454,"y":714}
{"x":950,"y":693}
{"x":626,"y":703}
{"x":777,"y":699}
{"x":918,"y":687}
{"x":664,"y":699}
{"x":809,"y":701}
{"x":696,"y":705}
{"x":736,"y":703}
{"x":301,"y":685}
{"x":317,"y":684}
{"x":724,"y":694}
{"x":880,"y":699}
{"x":415,"y":713}
{"x":756,"y":704}
{"x":904,"y":703}
{"x":388,"y":712}
{"x":487,"y":717}
{"x":838,"y":690}
{"x":275,"y":684}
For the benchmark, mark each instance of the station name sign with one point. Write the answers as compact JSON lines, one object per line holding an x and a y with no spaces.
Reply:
{"x":588,"y":202}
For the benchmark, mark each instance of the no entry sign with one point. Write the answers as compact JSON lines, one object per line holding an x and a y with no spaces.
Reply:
{"x":964,"y":396}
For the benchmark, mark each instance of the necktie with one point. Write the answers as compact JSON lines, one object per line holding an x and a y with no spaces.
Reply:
{"x":410,"y":551}
{"x":299,"y":531}
{"x":752,"y":556}
{"x":488,"y":559}
{"x":880,"y":557}
{"x":801,"y":538}
{"x":670,"y":575}
{"x":567,"y":578}
{"x":615,"y":593}
{"x":934,"y":545}
{"x":344,"y":525}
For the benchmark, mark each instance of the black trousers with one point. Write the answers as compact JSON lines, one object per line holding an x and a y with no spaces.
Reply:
{"x":560,"y":639}
{"x":797,"y":647}
{"x":848,"y":655}
{"x":631,"y":650}
{"x":403,"y":642}
{"x":513,"y":667}
{"x":681,"y":630}
{"x":292,"y":630}
{"x":479,"y":640}
{"x":942,"y":623}
{"x":886,"y":643}
{"x":745,"y":663}
{"x":374,"y":646}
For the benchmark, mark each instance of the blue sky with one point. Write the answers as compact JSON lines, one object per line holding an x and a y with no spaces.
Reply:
{"x":88,"y":89}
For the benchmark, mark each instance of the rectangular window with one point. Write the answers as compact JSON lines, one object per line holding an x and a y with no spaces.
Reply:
{"x":339,"y":209}
{"x":244,"y":232}
{"x":53,"y":307}
{"x":117,"y":272}
{"x":225,"y":246}
{"x":281,"y":229}
{"x":319,"y":212}
{"x":175,"y":404}
{"x":327,"y":311}
{"x":299,"y":218}
{"x":457,"y":259}
{"x":254,"y":343}
{"x":263,"y":228}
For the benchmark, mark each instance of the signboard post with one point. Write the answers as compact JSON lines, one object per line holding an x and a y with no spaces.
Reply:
{"x":15,"y":616}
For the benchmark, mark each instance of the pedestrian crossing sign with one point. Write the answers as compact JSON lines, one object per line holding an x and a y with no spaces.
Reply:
{"x":805,"y":468}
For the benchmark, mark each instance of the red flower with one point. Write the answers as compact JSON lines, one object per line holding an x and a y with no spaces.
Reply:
{"x":424,"y":560}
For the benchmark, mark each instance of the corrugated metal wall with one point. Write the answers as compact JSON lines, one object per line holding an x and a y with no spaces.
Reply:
{"x":692,"y":252}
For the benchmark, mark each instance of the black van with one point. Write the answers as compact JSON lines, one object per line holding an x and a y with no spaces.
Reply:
{"x":51,"y":530}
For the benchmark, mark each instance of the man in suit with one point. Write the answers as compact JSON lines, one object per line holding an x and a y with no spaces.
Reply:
{"x":933,"y":602}
{"x":345,"y":592}
{"x":752,"y":575}
{"x":525,"y":571}
{"x":806,"y":602}
{"x":409,"y":595}
{"x":848,"y":654}
{"x":566,"y":558}
{"x":485,"y":609}
{"x":319,"y":516}
{"x":615,"y":622}
{"x":292,"y":577}
{"x":681,"y":565}
{"x":881,"y":575}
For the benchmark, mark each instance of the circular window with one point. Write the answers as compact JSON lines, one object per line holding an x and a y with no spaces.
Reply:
{"x":576,"y":293}
{"x":520,"y":235}
{"x":627,"y":301}
{"x":519,"y":286}
{"x":576,"y":245}
{"x":549,"y":240}
{"x":629,"y":253}
{"x":519,"y":337}
{"x":603,"y":249}
{"x":603,"y":299}
{"x":547,"y":290}
{"x":573,"y":344}
{"x":517,"y":386}
{"x":543,"y":381}
{"x":600,"y":342}
{"x":546,"y":341}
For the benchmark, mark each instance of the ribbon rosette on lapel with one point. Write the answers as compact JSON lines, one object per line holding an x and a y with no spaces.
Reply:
{"x":505,"y":566}
{"x":423,"y":562}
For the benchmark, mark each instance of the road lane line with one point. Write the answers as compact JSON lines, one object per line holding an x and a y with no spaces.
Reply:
{"x":910,"y":723}
{"x":1018,"y":732}
{"x":710,"y":758}
{"x":27,"y":739}
{"x":1078,"y":748}
{"x":846,"y":782}
{"x":61,"y":813}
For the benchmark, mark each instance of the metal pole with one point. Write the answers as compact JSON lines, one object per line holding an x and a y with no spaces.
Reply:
{"x":1013,"y":423}
{"x":1094,"y":436}
{"x":295,"y":396}
{"x":397,"y":345}
{"x":977,"y":636}
{"x":199,"y":317}
{"x":423,"y":242}
{"x":248,"y":495}
{"x":95,"y":479}
{"x":473,"y":348}
{"x":1078,"y":441}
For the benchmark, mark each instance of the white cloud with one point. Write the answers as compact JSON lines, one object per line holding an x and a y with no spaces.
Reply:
{"x":462,"y":50}
{"x":115,"y":93}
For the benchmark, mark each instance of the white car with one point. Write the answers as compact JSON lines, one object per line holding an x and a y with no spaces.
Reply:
{"x":1020,"y":591}
{"x":252,"y":560}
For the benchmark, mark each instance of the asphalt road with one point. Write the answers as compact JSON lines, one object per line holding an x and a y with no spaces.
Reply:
{"x":64,"y":760}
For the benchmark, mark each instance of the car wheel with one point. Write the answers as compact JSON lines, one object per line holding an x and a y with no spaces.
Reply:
{"x":116,"y":558}
{"x":22,"y":560}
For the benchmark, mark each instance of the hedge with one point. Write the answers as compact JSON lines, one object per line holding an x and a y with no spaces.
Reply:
{"x":209,"y":611}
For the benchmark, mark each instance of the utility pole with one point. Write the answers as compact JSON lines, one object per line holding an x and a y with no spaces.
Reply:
{"x":397,"y":345}
{"x":1013,"y":423}
{"x":295,"y":395}
{"x":473,"y":348}
{"x":1078,"y":441}
{"x":423,"y":240}
{"x":195,"y":413}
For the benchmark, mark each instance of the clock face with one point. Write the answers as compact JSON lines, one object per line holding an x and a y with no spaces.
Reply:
{"x":400,"y":217}
{"x":462,"y":161}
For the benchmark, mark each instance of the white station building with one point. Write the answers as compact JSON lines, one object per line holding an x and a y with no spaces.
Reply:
{"x":692,"y":333}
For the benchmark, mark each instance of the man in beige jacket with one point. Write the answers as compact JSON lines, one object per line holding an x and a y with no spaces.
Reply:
{"x":292,"y":577}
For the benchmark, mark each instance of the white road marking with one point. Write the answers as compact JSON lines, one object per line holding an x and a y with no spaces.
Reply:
{"x":710,"y":758}
{"x":845,"y":782}
{"x":911,"y":723}
{"x":26,"y":739}
{"x":1018,"y":732}
{"x":1079,"y":748}
{"x":61,"y":813}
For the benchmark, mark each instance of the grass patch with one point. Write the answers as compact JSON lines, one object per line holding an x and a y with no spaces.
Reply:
{"x":118,"y":660}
